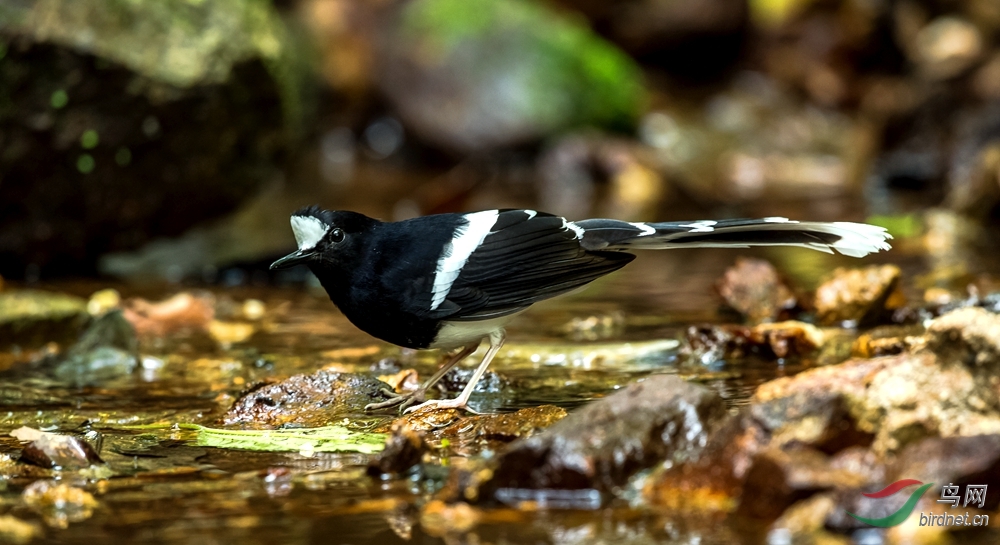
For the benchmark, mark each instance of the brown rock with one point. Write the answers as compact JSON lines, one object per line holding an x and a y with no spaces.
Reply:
{"x":950,"y":389}
{"x":712,"y":343}
{"x":505,"y":427}
{"x":859,"y":297}
{"x":404,"y":449}
{"x":308,"y":400}
{"x":814,"y":408}
{"x":597,"y":448}
{"x":887,"y":341}
{"x":713,"y":481}
{"x":56,"y":451}
{"x":960,"y":461}
{"x":428,"y":419}
{"x":754,"y":289}
{"x":779,"y":478}
{"x":970,"y":336}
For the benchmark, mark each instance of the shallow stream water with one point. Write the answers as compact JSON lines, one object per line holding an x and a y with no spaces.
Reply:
{"x":166,"y":489}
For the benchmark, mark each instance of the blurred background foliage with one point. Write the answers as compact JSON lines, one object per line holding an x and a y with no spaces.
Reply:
{"x":171,"y":138}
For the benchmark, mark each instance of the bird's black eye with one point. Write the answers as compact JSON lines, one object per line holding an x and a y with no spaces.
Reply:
{"x":337,"y":235}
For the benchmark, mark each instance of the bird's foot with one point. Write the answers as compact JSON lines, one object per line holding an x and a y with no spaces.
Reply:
{"x":457,"y":403}
{"x":402,"y":400}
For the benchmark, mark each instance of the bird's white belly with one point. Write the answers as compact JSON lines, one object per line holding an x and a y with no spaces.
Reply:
{"x":456,"y":334}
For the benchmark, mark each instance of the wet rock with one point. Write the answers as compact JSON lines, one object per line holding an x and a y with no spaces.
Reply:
{"x":962,"y":461}
{"x":709,"y":344}
{"x":956,"y":460}
{"x":492,"y":429}
{"x":404,"y":449}
{"x":122,"y":115}
{"x":597,"y":448}
{"x":32,"y":318}
{"x":779,"y":478}
{"x":814,"y":408}
{"x":211,"y":47}
{"x":501,"y":72}
{"x":305,"y":400}
{"x":107,"y":350}
{"x":98,"y":366}
{"x":970,"y":337}
{"x":754,"y":288}
{"x":896,"y":399}
{"x":426,"y":419}
{"x":56,"y":451}
{"x":712,"y":481}
{"x":858,"y":297}
{"x":180,"y":312}
{"x":456,"y":379}
{"x":887,"y":341}
{"x":787,"y":339}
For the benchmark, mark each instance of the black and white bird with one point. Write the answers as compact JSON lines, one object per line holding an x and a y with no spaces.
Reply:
{"x":449,"y":281}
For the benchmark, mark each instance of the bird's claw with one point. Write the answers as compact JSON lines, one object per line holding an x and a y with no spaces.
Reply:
{"x":402,"y":400}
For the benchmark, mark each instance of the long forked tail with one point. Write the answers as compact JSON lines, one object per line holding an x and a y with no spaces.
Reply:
{"x":852,"y":239}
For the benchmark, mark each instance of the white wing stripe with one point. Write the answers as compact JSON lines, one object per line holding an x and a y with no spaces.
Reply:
{"x":456,"y":253}
{"x":573,"y":227}
{"x":646,"y":230}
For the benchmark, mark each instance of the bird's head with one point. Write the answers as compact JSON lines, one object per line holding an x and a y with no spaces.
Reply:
{"x":323,"y":234}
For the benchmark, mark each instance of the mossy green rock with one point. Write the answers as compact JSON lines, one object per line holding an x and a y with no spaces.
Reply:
{"x":179,"y":42}
{"x":477,"y":74}
{"x":30,"y":318}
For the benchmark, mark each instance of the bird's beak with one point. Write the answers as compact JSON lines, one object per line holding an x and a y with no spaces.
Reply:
{"x":294,"y":258}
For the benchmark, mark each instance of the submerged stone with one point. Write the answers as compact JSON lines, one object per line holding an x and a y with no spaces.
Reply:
{"x":59,"y":503}
{"x":107,"y":350}
{"x":596,"y":449}
{"x":306,"y":400}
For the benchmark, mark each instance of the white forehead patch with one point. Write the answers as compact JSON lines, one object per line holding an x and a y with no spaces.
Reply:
{"x":308,"y":231}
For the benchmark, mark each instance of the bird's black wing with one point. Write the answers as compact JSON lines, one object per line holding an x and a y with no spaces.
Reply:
{"x":527,"y":257}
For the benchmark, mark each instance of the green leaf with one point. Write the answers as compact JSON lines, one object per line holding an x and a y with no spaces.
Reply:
{"x":305,"y":440}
